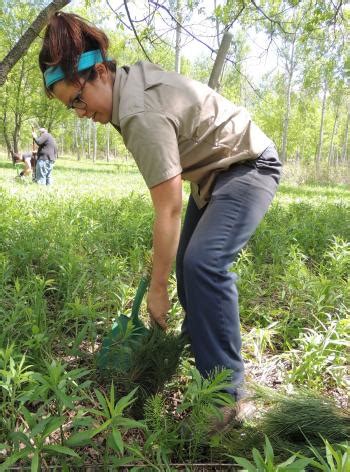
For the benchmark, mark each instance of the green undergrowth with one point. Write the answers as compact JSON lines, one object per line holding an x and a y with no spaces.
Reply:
{"x":70,"y":262}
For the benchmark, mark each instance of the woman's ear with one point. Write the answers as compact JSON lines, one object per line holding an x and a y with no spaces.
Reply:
{"x":102,"y":71}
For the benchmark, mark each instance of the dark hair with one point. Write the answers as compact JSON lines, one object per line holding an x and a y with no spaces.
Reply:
{"x":66,"y":37}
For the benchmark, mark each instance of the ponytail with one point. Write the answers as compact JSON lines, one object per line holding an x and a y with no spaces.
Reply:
{"x":66,"y":37}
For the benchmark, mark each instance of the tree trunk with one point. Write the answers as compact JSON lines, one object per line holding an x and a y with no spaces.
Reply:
{"x":4,"y":125}
{"x":76,"y":138}
{"x":50,"y":117}
{"x":108,"y":140}
{"x":17,"y":110}
{"x":62,"y":142}
{"x":346,"y":138}
{"x":334,"y":131}
{"x":89,"y":140}
{"x":178,"y":37}
{"x":290,"y":71}
{"x":217,"y":25}
{"x":82,"y":138}
{"x":95,"y":142}
{"x":320,"y":136}
{"x":220,"y":60}
{"x":23,"y":44}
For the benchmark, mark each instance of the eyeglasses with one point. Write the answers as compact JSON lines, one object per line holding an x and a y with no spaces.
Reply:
{"x":78,"y":103}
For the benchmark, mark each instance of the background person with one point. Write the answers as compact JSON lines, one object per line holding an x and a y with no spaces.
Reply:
{"x":46,"y":157}
{"x":176,"y":128}
{"x":28,"y":158}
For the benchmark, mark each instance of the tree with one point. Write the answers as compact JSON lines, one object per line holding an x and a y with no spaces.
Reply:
{"x":24,"y":42}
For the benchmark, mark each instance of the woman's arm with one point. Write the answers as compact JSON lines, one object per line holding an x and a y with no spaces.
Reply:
{"x":167,"y":202}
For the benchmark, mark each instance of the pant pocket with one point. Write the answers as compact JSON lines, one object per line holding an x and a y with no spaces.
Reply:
{"x":268,"y":159}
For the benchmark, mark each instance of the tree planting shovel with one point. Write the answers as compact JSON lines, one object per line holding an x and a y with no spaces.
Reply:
{"x":127,"y":332}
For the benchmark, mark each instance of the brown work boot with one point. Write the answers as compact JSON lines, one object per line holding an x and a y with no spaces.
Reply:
{"x":232,"y":416}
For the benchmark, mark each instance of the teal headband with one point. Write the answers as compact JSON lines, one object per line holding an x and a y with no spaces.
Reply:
{"x":87,"y":59}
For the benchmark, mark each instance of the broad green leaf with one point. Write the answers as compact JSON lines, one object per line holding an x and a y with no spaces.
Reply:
{"x":130,"y":423}
{"x":268,"y":450}
{"x":118,"y":440}
{"x":259,"y":461}
{"x":81,"y":438}
{"x":35,"y":462}
{"x":101,"y":398}
{"x":61,"y":450}
{"x":39,"y":427}
{"x":299,"y":465}
{"x":15,"y":458}
{"x":125,"y":401}
{"x":30,"y":419}
{"x":248,"y":466}
{"x":102,"y":427}
{"x":53,"y":425}
{"x":19,"y":436}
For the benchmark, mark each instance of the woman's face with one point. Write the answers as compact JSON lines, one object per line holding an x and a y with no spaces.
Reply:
{"x":96,"y":97}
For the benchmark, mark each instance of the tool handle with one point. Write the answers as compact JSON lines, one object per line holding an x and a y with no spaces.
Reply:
{"x":141,"y":290}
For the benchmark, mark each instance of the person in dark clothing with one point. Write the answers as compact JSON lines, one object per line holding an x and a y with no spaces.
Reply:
{"x":47,"y":155}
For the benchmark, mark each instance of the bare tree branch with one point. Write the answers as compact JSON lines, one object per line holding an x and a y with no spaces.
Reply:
{"x":269,"y":18}
{"x":134,"y":30}
{"x":23,"y":44}
{"x":213,"y":51}
{"x":118,"y":16}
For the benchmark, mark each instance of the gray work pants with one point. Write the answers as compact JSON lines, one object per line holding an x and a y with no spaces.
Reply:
{"x":210,"y":241}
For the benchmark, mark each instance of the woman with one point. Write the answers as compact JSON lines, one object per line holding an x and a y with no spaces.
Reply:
{"x":176,"y":128}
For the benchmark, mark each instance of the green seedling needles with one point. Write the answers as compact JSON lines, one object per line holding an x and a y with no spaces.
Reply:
{"x":127,"y":332}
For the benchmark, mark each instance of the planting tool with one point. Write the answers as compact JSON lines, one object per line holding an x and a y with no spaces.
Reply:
{"x":127,"y":332}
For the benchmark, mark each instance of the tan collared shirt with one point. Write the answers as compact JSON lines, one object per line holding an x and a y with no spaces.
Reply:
{"x":174,"y":125}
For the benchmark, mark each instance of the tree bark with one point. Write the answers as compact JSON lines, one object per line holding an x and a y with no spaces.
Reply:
{"x":178,"y":37}
{"x":89,"y":140}
{"x":17,"y":110}
{"x":220,"y":60}
{"x":83,"y":136}
{"x":346,"y":138}
{"x":290,"y":69}
{"x":23,"y":44}
{"x":95,"y":142}
{"x":217,"y":25}
{"x":4,"y":124}
{"x":76,"y":137}
{"x":320,"y":136}
{"x":62,"y":141}
{"x":108,"y":141}
{"x":334,"y":130}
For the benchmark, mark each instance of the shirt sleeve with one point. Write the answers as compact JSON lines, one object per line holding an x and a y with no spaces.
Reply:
{"x":151,"y":139}
{"x":40,"y":140}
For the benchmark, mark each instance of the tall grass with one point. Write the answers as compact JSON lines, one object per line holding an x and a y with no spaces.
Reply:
{"x":71,"y":257}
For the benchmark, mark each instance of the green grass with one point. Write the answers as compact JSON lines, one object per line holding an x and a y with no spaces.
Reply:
{"x":71,"y":257}
{"x":75,"y":178}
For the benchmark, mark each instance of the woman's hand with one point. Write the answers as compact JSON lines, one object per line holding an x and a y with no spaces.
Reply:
{"x":158,"y":305}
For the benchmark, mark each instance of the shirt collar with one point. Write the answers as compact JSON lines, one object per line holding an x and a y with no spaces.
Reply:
{"x":119,"y":81}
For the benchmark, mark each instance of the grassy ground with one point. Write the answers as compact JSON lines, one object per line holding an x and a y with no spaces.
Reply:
{"x":70,"y":259}
{"x":79,"y":178}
